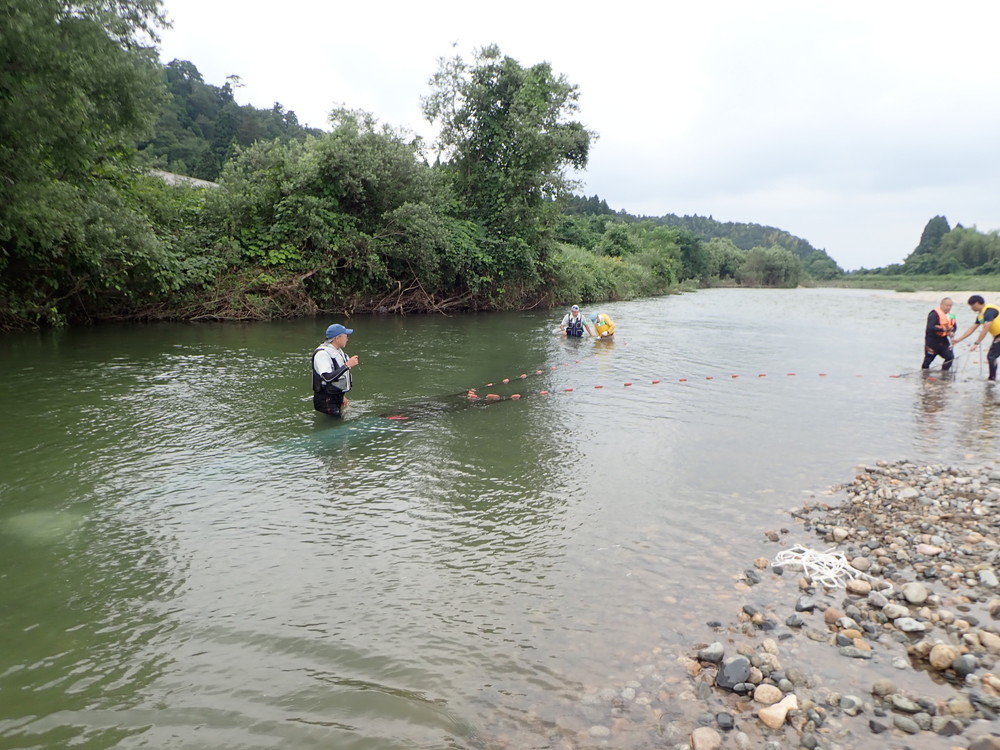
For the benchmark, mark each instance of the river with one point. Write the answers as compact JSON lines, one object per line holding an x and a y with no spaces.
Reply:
{"x":191,"y":557}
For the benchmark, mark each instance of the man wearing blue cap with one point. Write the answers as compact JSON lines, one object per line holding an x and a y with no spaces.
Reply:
{"x":332,"y":371}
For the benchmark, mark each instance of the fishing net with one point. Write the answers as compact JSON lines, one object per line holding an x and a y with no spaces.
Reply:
{"x":830,"y":568}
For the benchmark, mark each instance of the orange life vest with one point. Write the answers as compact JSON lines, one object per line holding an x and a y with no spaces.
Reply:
{"x":945,"y":323}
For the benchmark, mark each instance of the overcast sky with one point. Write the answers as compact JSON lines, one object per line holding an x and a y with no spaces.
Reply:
{"x":849,"y":124}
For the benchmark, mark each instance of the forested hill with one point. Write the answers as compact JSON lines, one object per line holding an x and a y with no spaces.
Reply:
{"x":200,"y":124}
{"x":744,"y":236}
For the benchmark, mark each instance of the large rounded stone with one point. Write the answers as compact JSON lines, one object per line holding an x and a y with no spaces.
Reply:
{"x":942,"y":656}
{"x":734,"y":671}
{"x":915,"y":593}
{"x":705,"y":738}
{"x":767,"y":694}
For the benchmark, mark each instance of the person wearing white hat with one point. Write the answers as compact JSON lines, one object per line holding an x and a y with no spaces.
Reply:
{"x":331,"y":371}
{"x":573,"y":323}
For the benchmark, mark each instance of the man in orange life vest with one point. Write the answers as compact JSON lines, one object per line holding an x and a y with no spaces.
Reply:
{"x":937,"y":341}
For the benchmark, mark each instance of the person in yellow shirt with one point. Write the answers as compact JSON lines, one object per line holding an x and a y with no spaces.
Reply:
{"x":987,"y":316}
{"x":604,"y":326}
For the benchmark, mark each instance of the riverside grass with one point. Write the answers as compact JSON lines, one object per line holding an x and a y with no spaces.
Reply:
{"x":908,"y":283}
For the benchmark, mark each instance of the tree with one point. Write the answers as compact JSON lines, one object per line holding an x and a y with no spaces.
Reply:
{"x":726,"y":258}
{"x":354,"y":212}
{"x":201,"y":125}
{"x":821,"y":266}
{"x":967,"y":249}
{"x":617,"y":241}
{"x":507,"y":144}
{"x":695,"y":261}
{"x":77,"y":88}
{"x":582,"y":230}
{"x":771,"y":266}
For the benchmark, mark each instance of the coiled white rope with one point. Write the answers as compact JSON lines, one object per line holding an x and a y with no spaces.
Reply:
{"x":830,"y":568}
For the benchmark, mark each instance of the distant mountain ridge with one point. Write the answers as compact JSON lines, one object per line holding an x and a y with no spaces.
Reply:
{"x":745,"y":236}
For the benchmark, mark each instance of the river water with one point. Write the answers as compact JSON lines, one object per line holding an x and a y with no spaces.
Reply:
{"x":191,"y":557}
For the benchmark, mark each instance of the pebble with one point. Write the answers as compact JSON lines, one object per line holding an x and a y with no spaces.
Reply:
{"x":734,"y":671}
{"x":774,"y":716}
{"x":905,"y":723}
{"x":895,"y":611}
{"x":883,"y":688}
{"x":902,"y":703}
{"x":705,"y":738}
{"x":851,"y":705}
{"x":853,"y":652}
{"x":915,"y":593}
{"x":712,"y":653}
{"x":858,"y":587}
{"x":942,"y":655}
{"x":767,"y":694}
{"x":805,"y":604}
{"x":927,"y":541}
{"x":909,"y":625}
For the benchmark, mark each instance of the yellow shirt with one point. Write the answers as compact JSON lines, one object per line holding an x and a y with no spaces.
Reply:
{"x":604,"y":325}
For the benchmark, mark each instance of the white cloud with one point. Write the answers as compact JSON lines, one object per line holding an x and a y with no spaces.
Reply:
{"x":850,"y":125}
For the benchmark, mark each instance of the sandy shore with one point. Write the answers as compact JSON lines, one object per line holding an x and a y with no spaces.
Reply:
{"x":935,"y":297}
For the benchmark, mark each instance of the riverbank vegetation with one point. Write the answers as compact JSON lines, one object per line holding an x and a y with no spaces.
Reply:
{"x":922,"y":283}
{"x":945,"y":259}
{"x":362,"y":217}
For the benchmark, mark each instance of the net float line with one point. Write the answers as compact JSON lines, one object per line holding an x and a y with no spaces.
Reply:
{"x":473,"y":394}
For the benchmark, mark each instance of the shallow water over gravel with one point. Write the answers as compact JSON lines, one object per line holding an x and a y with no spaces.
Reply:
{"x":191,"y":557}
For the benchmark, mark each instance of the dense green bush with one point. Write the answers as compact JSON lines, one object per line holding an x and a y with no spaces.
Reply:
{"x":771,"y":266}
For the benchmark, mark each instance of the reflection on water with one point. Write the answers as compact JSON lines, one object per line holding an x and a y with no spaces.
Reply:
{"x":203,"y":561}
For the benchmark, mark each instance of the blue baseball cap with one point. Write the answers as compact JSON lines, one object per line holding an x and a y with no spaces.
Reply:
{"x":336,"y":329}
{"x":593,"y":317}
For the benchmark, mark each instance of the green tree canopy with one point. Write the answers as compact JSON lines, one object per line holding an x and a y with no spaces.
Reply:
{"x":77,"y":88}
{"x":725,"y":258}
{"x":771,"y":266}
{"x":349,"y":215}
{"x":201,"y":125}
{"x":507,"y":143}
{"x":617,"y":240}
